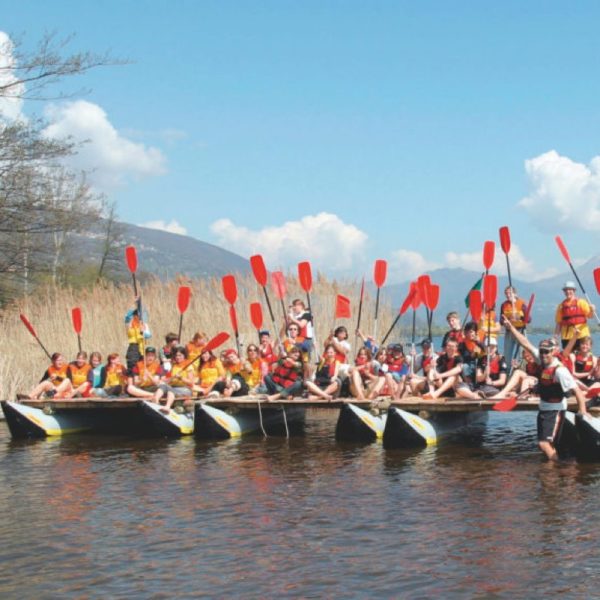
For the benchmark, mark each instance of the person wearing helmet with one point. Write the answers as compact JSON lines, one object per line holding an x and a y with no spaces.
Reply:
{"x":555,"y":385}
{"x":572,"y":315}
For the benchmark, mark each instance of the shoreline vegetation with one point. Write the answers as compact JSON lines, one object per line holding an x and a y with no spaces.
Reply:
{"x":104,"y":306}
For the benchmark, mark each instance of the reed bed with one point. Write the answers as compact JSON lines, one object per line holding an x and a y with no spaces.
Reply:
{"x":104,"y":307}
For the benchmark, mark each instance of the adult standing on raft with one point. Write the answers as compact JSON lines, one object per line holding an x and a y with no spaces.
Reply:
{"x":572,"y":315}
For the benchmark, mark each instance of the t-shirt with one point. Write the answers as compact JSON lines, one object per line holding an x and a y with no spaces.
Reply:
{"x":443,"y":362}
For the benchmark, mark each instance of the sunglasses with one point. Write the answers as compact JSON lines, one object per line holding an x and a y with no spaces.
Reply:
{"x":545,"y":351}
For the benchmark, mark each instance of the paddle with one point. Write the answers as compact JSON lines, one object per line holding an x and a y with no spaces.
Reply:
{"x":33,"y":333}
{"x":415,"y":303}
{"x":475,"y":305}
{"x":379,"y":275}
{"x":597,"y":279}
{"x":360,"y":305}
{"x":278,"y":281}
{"x":489,"y":250}
{"x":506,"y":404}
{"x":256,"y":316}
{"x":230,"y":293}
{"x":505,"y":245}
{"x":432,"y":300}
{"x":405,"y":306}
{"x":131,"y":258}
{"x":184,"y":294}
{"x":215,"y":342}
{"x":490,"y":291}
{"x":565,"y":253}
{"x":423,"y":283}
{"x":77,"y":322}
{"x":305,"y":278}
{"x":527,"y":316}
{"x":260,"y":274}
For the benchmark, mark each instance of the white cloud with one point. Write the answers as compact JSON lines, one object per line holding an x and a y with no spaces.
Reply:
{"x":564,"y":194}
{"x":172,"y":227}
{"x":324,"y":239}
{"x":107,"y":154}
{"x":10,"y":103}
{"x":408,"y":264}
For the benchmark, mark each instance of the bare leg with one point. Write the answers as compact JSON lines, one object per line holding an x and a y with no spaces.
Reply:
{"x":170,"y":399}
{"x":447,"y":384}
{"x":549,"y":450}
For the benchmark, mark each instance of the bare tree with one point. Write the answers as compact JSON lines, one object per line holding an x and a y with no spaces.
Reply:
{"x":111,"y":240}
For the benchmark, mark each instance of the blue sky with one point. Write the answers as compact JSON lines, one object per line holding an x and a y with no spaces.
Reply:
{"x":341,"y":132}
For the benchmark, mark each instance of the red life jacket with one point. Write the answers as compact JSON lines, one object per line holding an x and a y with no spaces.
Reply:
{"x":571,"y":313}
{"x":285,"y":374}
{"x":395,"y":365}
{"x":267,"y":354}
{"x":583,"y":363}
{"x":324,"y":373}
{"x":550,"y":390}
{"x":426,"y":363}
{"x":533,"y":369}
{"x":456,"y":334}
{"x":494,"y":366}
{"x":565,"y":360}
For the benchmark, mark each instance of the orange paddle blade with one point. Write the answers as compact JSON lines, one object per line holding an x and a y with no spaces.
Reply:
{"x":305,"y":276}
{"x":28,"y":325}
{"x":475,"y":304}
{"x":505,"y":239}
{"x":278,"y":284}
{"x":131,"y":258}
{"x":76,"y":318}
{"x":380,"y":272}
{"x":489,"y":250}
{"x":562,"y":248}
{"x":256,"y":315}
{"x":258,"y":268}
{"x":342,"y":307}
{"x":506,"y":404}
{"x":490,"y":290}
{"x":219,"y":339}
{"x":183,"y":298}
{"x":229,"y":288}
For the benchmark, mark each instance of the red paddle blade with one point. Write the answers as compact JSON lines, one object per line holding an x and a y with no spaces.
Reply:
{"x":305,"y":276}
{"x":505,"y":239}
{"x":562,"y":248}
{"x":76,"y":318}
{"x":233,"y":318}
{"x":183,"y":298}
{"x":258,"y":268}
{"x":278,"y":284}
{"x":475,"y":304}
{"x":592,"y":393}
{"x":490,"y":290}
{"x":409,"y":298}
{"x":489,"y":250}
{"x":229,"y":288}
{"x":342,"y":307}
{"x":423,"y":283}
{"x":433,"y":297}
{"x":506,"y":404}
{"x":256,"y":315}
{"x":416,"y":300}
{"x":597,"y":279}
{"x":219,"y":339}
{"x":131,"y":258}
{"x":528,"y":309}
{"x":380,"y":272}
{"x":28,"y":325}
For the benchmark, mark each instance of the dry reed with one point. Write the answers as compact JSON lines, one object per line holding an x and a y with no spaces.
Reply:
{"x":104,"y":307}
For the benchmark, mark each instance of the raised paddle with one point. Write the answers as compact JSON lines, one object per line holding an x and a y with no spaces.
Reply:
{"x":132,"y":263}
{"x":405,"y":306}
{"x":565,"y":253}
{"x":597,"y":279}
{"x":229,"y":288}
{"x":379,"y":276}
{"x":234,"y":325}
{"x":77,"y":323}
{"x":505,"y":245}
{"x":256,"y":316}
{"x":433,"y":299}
{"x":415,"y":303}
{"x":215,"y":342}
{"x":278,"y":280}
{"x":260,"y":274}
{"x":475,"y":304}
{"x":489,"y":250}
{"x":490,"y":291}
{"x":360,"y":305}
{"x":31,"y":330}
{"x":305,"y":278}
{"x":423,"y":283}
{"x":184,"y":293}
{"x":506,"y":404}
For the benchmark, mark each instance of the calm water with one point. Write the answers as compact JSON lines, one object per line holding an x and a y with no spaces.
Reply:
{"x":90,"y":517}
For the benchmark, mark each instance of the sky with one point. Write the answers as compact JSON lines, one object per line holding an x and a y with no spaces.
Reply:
{"x":338,"y":132}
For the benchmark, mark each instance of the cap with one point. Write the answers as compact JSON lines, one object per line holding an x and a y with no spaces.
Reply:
{"x":569,"y":285}
{"x":264,"y":332}
{"x":151,"y":349}
{"x":229,"y":353}
{"x":549,"y":344}
{"x":395,"y":348}
{"x":425,"y":342}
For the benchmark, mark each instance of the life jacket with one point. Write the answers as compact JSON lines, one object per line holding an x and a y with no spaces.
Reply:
{"x":285,"y":374}
{"x":571,"y":313}
{"x":59,"y":374}
{"x":395,"y":365}
{"x":455,"y":334}
{"x":506,"y":310}
{"x":565,"y":360}
{"x":583,"y":363}
{"x":533,"y":369}
{"x":487,"y":321}
{"x":179,"y":373}
{"x":115,"y":375}
{"x":494,"y":369}
{"x":306,"y":331}
{"x":445,"y":363}
{"x":193,"y":350}
{"x":549,"y":389}
{"x":135,"y":333}
{"x":145,"y":371}
{"x":426,"y":362}
{"x":324,"y":373}
{"x":253,"y":377}
{"x":210,"y":372}
{"x":471,"y":350}
{"x":78,"y":375}
{"x":267,"y":354}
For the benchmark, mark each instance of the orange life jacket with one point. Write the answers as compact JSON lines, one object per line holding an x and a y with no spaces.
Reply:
{"x":571,"y":313}
{"x":78,"y":375}
{"x":59,"y":374}
{"x":506,"y":309}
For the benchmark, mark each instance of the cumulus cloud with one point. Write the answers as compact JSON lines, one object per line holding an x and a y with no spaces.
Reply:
{"x":172,"y":227}
{"x":408,"y":264}
{"x":564,"y":194}
{"x":324,"y":239}
{"x":110,"y":157}
{"x":10,"y":102}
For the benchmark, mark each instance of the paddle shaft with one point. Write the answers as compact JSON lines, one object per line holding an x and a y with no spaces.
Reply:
{"x":180,"y":326}
{"x":42,"y":346}
{"x":376,"y":313}
{"x":385,"y":337}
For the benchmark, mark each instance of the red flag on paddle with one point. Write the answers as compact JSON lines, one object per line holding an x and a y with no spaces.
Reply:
{"x":342,"y":307}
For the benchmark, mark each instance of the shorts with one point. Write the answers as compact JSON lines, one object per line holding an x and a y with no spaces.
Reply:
{"x":396,"y":376}
{"x":549,"y":425}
